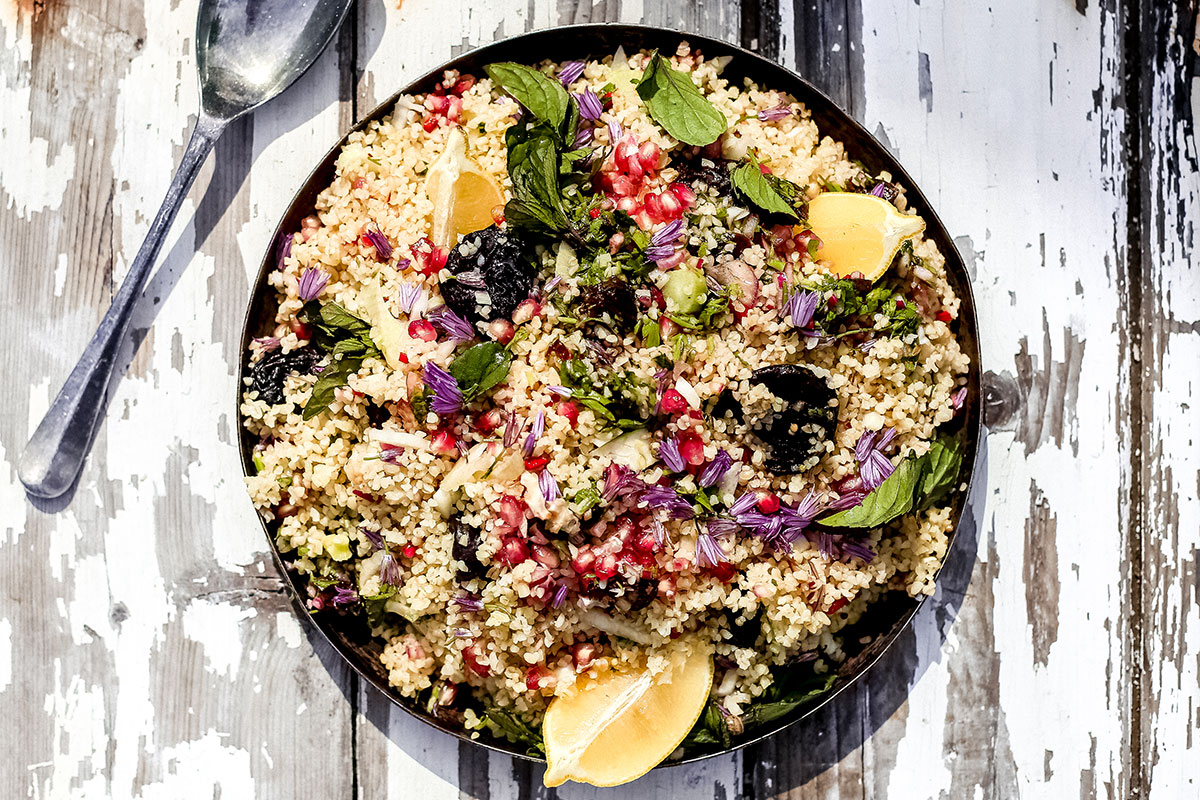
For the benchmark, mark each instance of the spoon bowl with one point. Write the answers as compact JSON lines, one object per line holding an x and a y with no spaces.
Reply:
{"x":247,"y":52}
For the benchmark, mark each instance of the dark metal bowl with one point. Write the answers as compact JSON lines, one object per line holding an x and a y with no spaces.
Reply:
{"x":888,"y":616}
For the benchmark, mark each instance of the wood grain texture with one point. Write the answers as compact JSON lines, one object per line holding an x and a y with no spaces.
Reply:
{"x":146,"y":648}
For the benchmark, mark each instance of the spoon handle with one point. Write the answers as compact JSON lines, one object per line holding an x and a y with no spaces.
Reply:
{"x":54,"y":456}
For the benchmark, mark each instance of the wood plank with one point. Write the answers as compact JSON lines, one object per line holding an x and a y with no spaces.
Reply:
{"x":1168,"y":595}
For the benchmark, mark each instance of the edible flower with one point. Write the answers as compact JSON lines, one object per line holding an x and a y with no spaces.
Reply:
{"x":512,"y":430}
{"x":662,"y":243}
{"x":958,"y":398}
{"x":389,"y":570}
{"x":409,"y":296}
{"x":743,"y":504}
{"x":267,"y":342}
{"x":373,"y":536}
{"x":454,"y":326}
{"x":535,"y":432}
{"x":776,"y":113}
{"x":468,"y":602}
{"x":383,"y":248}
{"x":722,"y":526}
{"x":800,"y":307}
{"x":548,"y":485}
{"x":344,"y":594}
{"x":667,"y":499}
{"x":583,"y":137}
{"x":873,"y":466}
{"x":715,"y":470}
{"x":885,"y":190}
{"x":570,"y":72}
{"x":709,"y":552}
{"x":856,"y":549}
{"x":560,"y":594}
{"x":614,"y":132}
{"x":620,"y":480}
{"x":283,"y":249}
{"x":590,"y":106}
{"x":447,"y":397}
{"x":312,"y":283}
{"x":668,"y":451}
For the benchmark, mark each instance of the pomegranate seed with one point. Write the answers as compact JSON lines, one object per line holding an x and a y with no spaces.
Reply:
{"x":623,"y":186}
{"x":837,"y":605}
{"x":645,"y":542}
{"x":512,"y":552}
{"x":464,"y":84}
{"x":489,"y":421}
{"x":764,"y":169}
{"x":606,"y":567}
{"x":724,"y":572}
{"x":768,"y":503}
{"x":545,"y":555}
{"x":538,"y":678}
{"x":430,"y":122}
{"x":666,"y":327}
{"x":594,"y":213}
{"x":536,"y":464}
{"x":471,"y":656}
{"x":568,"y":409}
{"x":436,"y":103}
{"x":404,"y":358}
{"x":454,"y":109}
{"x":615,"y":241}
{"x":692,"y":450}
{"x":901,"y":304}
{"x":944,"y":316}
{"x":583,"y":561}
{"x":654,"y":206}
{"x":444,"y":441}
{"x":301,"y":329}
{"x":635,"y":171}
{"x":625,"y":153}
{"x":498,"y":214}
{"x":671,"y":207}
{"x":501,"y":330}
{"x":582,"y":654}
{"x":684,"y":193}
{"x":672,"y":402}
{"x":643,"y":219}
{"x":409,"y":551}
{"x":359,"y":183}
{"x":832,"y":301}
{"x":657,"y":296}
{"x":512,"y":511}
{"x":422,"y":329}
{"x":649,"y":154}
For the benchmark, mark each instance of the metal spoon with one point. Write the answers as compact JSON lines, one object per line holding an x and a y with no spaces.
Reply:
{"x":247,"y":52}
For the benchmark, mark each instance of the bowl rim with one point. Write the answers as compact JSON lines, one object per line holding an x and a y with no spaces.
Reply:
{"x":781,"y":79}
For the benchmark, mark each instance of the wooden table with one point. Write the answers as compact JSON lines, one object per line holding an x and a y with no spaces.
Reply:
{"x":147,"y":648}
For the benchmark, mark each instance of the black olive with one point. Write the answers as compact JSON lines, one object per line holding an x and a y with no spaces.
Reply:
{"x":612,"y":297}
{"x":268,"y":373}
{"x":728,"y":407}
{"x":713,"y":173}
{"x":377,"y":415}
{"x":466,"y":540}
{"x":794,"y":436}
{"x":496,"y":267}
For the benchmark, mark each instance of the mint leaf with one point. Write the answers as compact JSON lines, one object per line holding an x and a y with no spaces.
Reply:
{"x":759,"y":190}
{"x":343,"y":336}
{"x":677,"y":104}
{"x":942,"y":465}
{"x":893,"y":498}
{"x":479,"y":368}
{"x":542,"y":96}
{"x":533,"y":167}
{"x":787,"y":700}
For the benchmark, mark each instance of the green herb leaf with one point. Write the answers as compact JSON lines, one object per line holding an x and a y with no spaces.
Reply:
{"x":760,"y":191}
{"x":533,"y":166}
{"x":787,"y":700}
{"x":516,"y":730}
{"x":942,"y":465}
{"x":710,"y":729}
{"x":891,"y":499}
{"x":542,"y":96}
{"x":479,"y":368}
{"x":677,"y":104}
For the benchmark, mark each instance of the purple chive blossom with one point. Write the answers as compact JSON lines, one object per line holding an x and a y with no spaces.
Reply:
{"x":764,"y":526}
{"x":561,"y":391}
{"x":825,"y":544}
{"x":621,"y":480}
{"x":743,"y":504}
{"x":409,"y":297}
{"x":867,"y":345}
{"x":708,"y":551}
{"x":658,"y":531}
{"x":856,"y":549}
{"x":549,"y":486}
{"x":390,"y":454}
{"x":454,"y":326}
{"x":283,"y":249}
{"x":447,"y":397}
{"x":552,"y":284}
{"x":560,"y":595}
{"x":570,"y":72}
{"x":720,"y":526}
{"x":614,"y":132}
{"x":885,"y":190}
{"x":583,"y":137}
{"x":383,"y":248}
{"x":373,"y":536}
{"x":873,"y":466}
{"x":662,"y":243}
{"x":668,"y":451}
{"x":667,"y":499}
{"x":795,"y":520}
{"x":535,"y":432}
{"x":267,"y":342}
{"x":512,"y":430}
{"x":344,"y":595}
{"x":800,"y":307}
{"x":590,"y":107}
{"x":847,"y":500}
{"x":312,"y":283}
{"x":403,"y":264}
{"x":389,"y":570}
{"x":715,"y":470}
{"x":468,"y":602}
{"x":958,"y":398}
{"x":772,"y":114}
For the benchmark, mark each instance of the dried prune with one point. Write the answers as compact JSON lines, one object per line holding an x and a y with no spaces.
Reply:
{"x":492,"y":276}
{"x":727,"y":407}
{"x":466,"y":539}
{"x":745,"y":634}
{"x":612,"y":297}
{"x":794,"y":437}
{"x":713,"y":173}
{"x":268,"y":373}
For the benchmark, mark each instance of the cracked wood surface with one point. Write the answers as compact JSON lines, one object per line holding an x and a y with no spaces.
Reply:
{"x":146,"y":647}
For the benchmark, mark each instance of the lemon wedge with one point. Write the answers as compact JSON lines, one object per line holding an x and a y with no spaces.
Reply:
{"x":463,"y":195}
{"x":859,"y":232}
{"x":616,"y":727}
